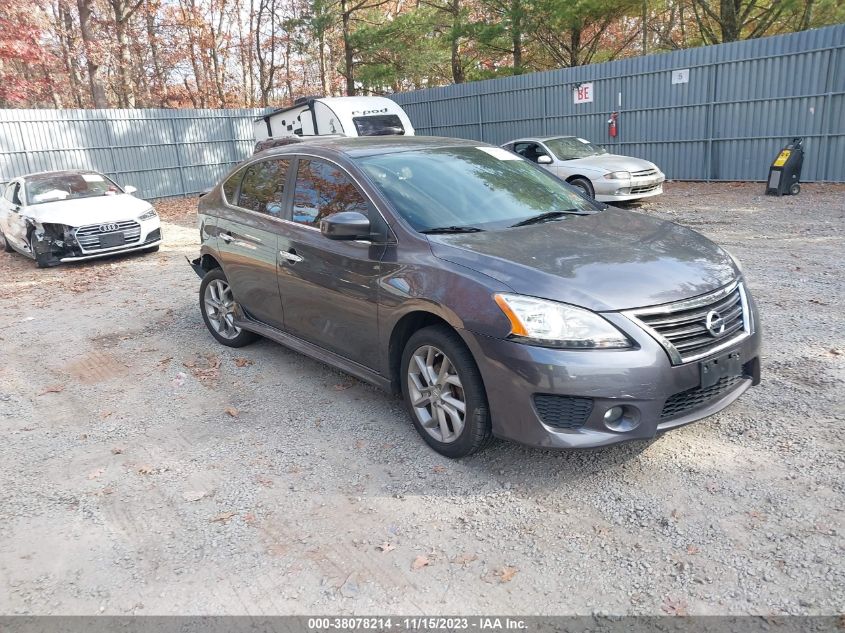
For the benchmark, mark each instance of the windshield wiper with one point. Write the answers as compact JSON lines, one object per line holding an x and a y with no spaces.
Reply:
{"x":451,"y":229}
{"x":549,"y":216}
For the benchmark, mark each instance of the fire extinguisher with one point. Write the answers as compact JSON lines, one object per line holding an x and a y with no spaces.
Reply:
{"x":612,"y":126}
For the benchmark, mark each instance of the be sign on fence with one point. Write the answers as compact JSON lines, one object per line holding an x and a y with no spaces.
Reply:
{"x":583,"y":93}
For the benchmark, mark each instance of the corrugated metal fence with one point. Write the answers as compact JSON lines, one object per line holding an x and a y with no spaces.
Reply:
{"x":740,"y":104}
{"x":162,"y":152}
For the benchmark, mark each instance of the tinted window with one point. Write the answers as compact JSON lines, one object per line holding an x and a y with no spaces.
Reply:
{"x":323,"y":189}
{"x":263,"y":187}
{"x":468,"y":186}
{"x":382,"y":125}
{"x":230,"y":187}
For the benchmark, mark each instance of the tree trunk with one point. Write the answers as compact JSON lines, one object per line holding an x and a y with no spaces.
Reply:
{"x":729,"y":20}
{"x":348,"y":53}
{"x":65,"y":28}
{"x":98,"y":92}
{"x":516,"y":36}
{"x":127,"y":90}
{"x":160,"y":84}
{"x":457,"y":66}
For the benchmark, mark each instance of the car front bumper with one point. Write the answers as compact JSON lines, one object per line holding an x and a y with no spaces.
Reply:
{"x":616,"y":193}
{"x":640,"y":380}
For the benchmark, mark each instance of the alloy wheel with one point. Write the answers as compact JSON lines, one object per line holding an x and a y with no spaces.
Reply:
{"x":436,"y":393}
{"x":220,"y":308}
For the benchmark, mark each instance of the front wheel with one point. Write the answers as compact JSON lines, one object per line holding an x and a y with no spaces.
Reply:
{"x":795,"y":189}
{"x":584,"y":185}
{"x":5,"y":244}
{"x":217,"y":304}
{"x":444,"y":393}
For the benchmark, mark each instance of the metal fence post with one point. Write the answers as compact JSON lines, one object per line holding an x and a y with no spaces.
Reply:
{"x":827,"y":120}
{"x":25,"y":150}
{"x":178,"y":158}
{"x":110,"y":140}
{"x":711,"y":118}
{"x":232,"y":139}
{"x":480,"y":119}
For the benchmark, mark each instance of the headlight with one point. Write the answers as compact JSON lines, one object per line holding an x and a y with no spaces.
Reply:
{"x":148,"y":214}
{"x":554,"y":324}
{"x":618,"y":175}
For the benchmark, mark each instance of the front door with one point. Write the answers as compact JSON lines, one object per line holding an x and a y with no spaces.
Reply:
{"x":329,"y":288}
{"x":247,"y":237}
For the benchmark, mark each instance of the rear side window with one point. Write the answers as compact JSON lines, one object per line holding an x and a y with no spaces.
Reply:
{"x":323,"y":189}
{"x":382,"y":125}
{"x":263,"y":187}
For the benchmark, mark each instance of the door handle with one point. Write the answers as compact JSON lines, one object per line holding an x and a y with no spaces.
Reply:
{"x":292,"y":257}
{"x":226,"y":237}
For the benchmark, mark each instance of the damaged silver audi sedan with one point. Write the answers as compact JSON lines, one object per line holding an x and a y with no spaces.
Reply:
{"x":64,"y":216}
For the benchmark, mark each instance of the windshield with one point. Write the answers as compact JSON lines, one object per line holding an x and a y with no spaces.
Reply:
{"x":484,"y":187}
{"x":67,"y":186}
{"x":570,"y":147}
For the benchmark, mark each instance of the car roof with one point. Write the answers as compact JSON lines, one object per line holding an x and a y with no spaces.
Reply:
{"x":539,"y":138}
{"x":357,"y":146}
{"x":59,"y":172}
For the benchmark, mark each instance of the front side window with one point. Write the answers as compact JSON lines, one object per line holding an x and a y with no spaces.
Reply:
{"x":483,"y":187}
{"x":381,"y":125}
{"x":531,"y":151}
{"x":323,"y":189}
{"x":11,"y":193}
{"x":263,"y":187}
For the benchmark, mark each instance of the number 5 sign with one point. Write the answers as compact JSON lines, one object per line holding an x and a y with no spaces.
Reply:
{"x":583,"y":93}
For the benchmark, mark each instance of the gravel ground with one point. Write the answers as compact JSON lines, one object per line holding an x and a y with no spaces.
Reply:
{"x":148,"y":470}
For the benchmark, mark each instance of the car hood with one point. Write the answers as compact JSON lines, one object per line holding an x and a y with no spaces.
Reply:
{"x":611,"y":162}
{"x":613,"y":260}
{"x":83,"y":211}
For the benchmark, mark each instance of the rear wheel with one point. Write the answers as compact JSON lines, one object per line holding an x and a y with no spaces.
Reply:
{"x":584,"y":185}
{"x":444,"y":393}
{"x":217,"y":304}
{"x":795,"y":189}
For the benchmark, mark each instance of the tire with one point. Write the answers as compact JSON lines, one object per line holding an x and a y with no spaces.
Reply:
{"x":584,"y":185}
{"x":154,"y":249}
{"x":216,"y":294}
{"x":7,"y":248}
{"x":795,"y":189}
{"x":430,"y":346}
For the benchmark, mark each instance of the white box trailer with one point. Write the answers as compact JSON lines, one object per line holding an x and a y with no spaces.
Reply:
{"x":348,"y":116}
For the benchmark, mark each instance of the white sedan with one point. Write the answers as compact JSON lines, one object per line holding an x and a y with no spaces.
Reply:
{"x":66,"y":216}
{"x":589,"y":167}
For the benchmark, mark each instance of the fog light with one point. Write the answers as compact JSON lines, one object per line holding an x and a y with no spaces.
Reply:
{"x":613,"y":414}
{"x":622,"y":418}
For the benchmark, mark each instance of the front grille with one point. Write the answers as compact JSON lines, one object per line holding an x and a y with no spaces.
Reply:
{"x":645,"y":173}
{"x":644,"y":189}
{"x":89,"y":236}
{"x":686,"y":401}
{"x":682,"y":327}
{"x":563,"y":412}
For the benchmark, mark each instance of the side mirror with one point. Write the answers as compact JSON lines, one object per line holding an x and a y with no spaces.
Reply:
{"x":130,"y":189}
{"x":346,"y":225}
{"x":544,"y":159}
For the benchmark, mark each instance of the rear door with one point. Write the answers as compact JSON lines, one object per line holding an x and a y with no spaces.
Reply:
{"x":247,"y":237}
{"x":329,"y":288}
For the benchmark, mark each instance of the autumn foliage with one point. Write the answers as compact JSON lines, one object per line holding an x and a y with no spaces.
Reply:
{"x":250,"y":53}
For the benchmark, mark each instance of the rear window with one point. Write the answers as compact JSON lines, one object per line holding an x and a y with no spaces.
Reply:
{"x":381,"y":125}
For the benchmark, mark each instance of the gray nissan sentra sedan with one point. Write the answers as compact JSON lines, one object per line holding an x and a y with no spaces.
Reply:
{"x":492,"y":296}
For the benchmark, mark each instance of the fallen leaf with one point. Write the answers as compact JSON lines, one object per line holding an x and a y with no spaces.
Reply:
{"x":674,"y":607}
{"x":344,"y":386}
{"x":439,"y":469}
{"x":53,"y":389}
{"x":223,"y":517}
{"x":146,"y":470}
{"x":96,"y":473}
{"x":601,"y":530}
{"x":360,"y":444}
{"x":506,"y":573}
{"x":692,"y":549}
{"x":165,"y":361}
{"x":106,"y":414}
{"x":420,"y":562}
{"x":249,"y":518}
{"x":117,"y":450}
{"x":243,"y":362}
{"x":232,"y":411}
{"x":264,"y":481}
{"x":386,"y":547}
{"x":464,"y":559}
{"x":835,"y":352}
{"x":193,"y":495}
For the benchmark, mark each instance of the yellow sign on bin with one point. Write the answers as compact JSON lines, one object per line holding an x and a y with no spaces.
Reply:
{"x":780,"y":161}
